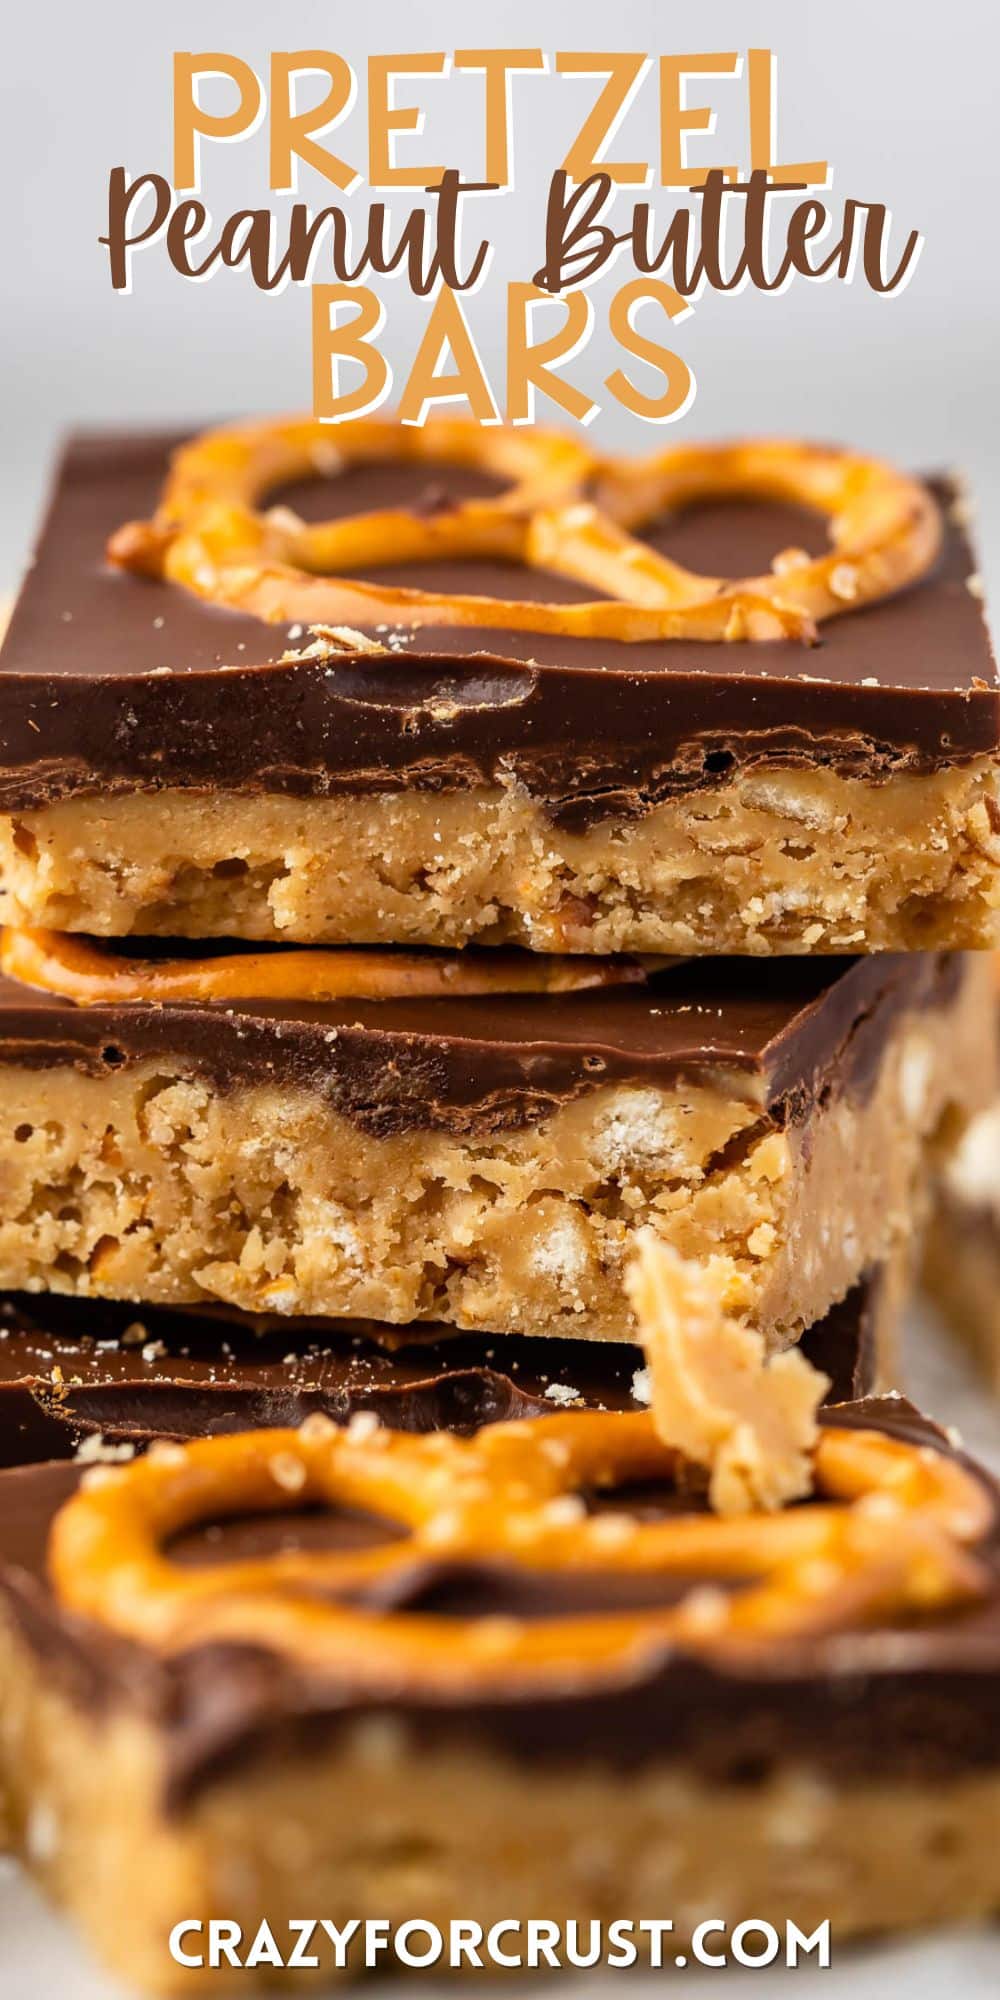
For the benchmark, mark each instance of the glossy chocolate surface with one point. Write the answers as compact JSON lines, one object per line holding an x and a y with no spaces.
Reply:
{"x":67,"y":1373}
{"x":112,"y":682}
{"x":920,"y":1700}
{"x":778,"y":1031}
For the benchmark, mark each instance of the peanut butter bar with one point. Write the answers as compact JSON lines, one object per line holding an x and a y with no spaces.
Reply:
{"x":446,"y":1678}
{"x":482,"y":1161}
{"x":218,"y":733}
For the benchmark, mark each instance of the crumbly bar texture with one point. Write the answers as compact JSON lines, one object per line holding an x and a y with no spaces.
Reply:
{"x":749,"y":1421}
{"x":446,"y":1833}
{"x":149,"y":1184}
{"x":773,"y":861}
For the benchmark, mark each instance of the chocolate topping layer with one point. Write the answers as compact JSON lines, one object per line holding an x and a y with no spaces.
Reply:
{"x":67,"y":1374}
{"x":781,"y":1032}
{"x":919,"y":1700}
{"x":115,"y":683}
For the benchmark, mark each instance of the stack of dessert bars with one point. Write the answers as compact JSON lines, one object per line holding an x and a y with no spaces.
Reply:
{"x":387,"y":957}
{"x":292,"y":1175}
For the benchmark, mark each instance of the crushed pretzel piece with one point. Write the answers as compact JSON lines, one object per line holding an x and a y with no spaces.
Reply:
{"x":716,"y":1398}
{"x":327,"y":641}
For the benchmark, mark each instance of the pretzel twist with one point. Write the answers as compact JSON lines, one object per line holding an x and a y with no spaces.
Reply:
{"x":888,"y":1538}
{"x":565,"y":511}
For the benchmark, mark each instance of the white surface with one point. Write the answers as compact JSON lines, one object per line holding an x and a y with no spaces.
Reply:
{"x":39,"y":1955}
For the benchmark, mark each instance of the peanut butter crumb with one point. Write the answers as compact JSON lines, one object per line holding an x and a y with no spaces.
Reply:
{"x":715,"y":1397}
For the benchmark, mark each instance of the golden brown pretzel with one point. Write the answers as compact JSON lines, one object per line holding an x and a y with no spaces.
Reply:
{"x":209,"y":534}
{"x":565,"y":512}
{"x":94,"y":975}
{"x":885,"y":527}
{"x":887,"y":1538}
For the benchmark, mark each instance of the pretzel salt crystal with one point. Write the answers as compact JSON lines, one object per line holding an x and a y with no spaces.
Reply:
{"x":566,"y":513}
{"x":889,"y":1538}
{"x":93,"y":976}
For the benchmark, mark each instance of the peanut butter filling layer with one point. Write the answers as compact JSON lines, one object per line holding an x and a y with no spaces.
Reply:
{"x":772,"y":861}
{"x":155,"y":1180}
{"x":798,"y":1847}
